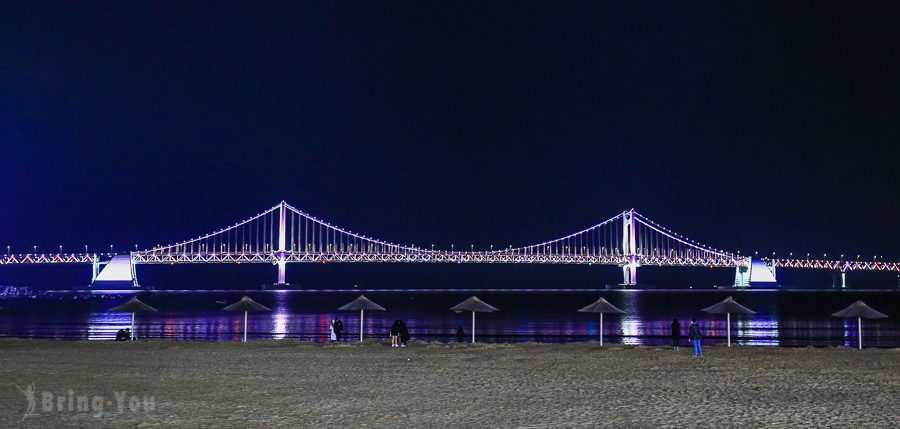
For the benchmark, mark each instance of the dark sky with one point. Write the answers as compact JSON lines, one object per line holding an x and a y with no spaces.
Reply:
{"x":752,"y":126}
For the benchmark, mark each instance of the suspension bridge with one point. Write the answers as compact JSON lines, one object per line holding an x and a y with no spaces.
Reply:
{"x":284,"y":234}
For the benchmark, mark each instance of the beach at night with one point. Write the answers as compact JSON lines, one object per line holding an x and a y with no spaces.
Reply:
{"x":449,"y":214}
{"x":298,"y":384}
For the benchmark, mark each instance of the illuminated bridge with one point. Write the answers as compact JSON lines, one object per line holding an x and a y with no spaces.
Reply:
{"x":283,"y":234}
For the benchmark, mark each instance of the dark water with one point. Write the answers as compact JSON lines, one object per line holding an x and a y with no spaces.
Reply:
{"x":785,"y":318}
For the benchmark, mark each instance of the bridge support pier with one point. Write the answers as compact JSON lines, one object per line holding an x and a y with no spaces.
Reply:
{"x":839,"y":280}
{"x":281,"y":272}
{"x":629,"y":274}
{"x":134,"y":281}
{"x":742,"y":276}
{"x":95,"y":264}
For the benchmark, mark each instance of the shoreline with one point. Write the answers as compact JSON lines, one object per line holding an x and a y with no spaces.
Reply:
{"x":285,"y":383}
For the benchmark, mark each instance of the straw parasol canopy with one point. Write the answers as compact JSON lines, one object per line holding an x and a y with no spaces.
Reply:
{"x":601,"y":306}
{"x":474,"y":305}
{"x":362,"y":304}
{"x":246,"y":305}
{"x":728,"y":306}
{"x":134,"y":305}
{"x":860,"y":311}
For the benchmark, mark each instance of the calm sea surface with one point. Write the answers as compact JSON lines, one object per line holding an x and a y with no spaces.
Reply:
{"x":785,"y":318}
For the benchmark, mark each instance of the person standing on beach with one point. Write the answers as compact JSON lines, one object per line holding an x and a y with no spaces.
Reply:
{"x":332,"y":335}
{"x":395,"y":334}
{"x":338,"y":329}
{"x":460,"y":335}
{"x":695,"y":338}
{"x":676,"y":333}
{"x":404,"y":334}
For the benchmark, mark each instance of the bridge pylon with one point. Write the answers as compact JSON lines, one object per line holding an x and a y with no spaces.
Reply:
{"x":629,"y":249}
{"x":282,"y":239}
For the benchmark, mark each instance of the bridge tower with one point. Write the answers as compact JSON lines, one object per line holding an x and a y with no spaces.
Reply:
{"x":629,"y":249}
{"x":282,"y":253}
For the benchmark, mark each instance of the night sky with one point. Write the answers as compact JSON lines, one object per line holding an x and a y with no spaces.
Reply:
{"x":753,"y":127}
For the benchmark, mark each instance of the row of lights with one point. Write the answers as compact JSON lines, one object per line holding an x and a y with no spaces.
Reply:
{"x":825,"y":256}
{"x":34,"y":248}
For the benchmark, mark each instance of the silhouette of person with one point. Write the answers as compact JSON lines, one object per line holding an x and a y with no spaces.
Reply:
{"x":395,"y":334}
{"x":338,"y":328}
{"x":404,"y":334}
{"x":676,"y":333}
{"x":460,"y":335}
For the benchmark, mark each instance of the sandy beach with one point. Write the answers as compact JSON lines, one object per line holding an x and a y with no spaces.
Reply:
{"x":294,"y":384}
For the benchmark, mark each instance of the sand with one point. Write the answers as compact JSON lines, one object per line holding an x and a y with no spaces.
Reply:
{"x":296,"y":384}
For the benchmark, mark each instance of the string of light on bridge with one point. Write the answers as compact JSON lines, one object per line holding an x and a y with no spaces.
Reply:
{"x":284,"y":234}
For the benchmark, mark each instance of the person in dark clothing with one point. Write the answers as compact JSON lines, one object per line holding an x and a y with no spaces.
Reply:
{"x":676,"y":333}
{"x":127,"y":335}
{"x":404,"y":334}
{"x":695,"y":338}
{"x":395,"y":334}
{"x":460,"y":335}
{"x":120,"y":335}
{"x":338,"y":328}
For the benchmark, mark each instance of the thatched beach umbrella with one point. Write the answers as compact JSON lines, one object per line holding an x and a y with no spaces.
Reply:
{"x":246,"y":305}
{"x":474,"y":304}
{"x":362,"y":304}
{"x":601,"y":306}
{"x":134,"y":305}
{"x":859,"y":310}
{"x":728,"y":306}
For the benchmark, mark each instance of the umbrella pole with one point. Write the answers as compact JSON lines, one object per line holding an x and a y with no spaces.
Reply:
{"x":859,"y":328}
{"x":729,"y":328}
{"x":132,"y":326}
{"x":245,"y":326}
{"x":473,"y":326}
{"x":601,"y":329}
{"x":361,"y":318}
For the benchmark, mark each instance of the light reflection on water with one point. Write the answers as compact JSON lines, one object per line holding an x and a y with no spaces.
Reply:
{"x":102,"y":326}
{"x":543,"y":316}
{"x":630,"y":325}
{"x":280,"y":316}
{"x":755,"y":331}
